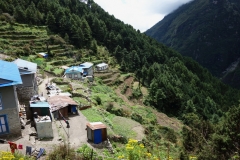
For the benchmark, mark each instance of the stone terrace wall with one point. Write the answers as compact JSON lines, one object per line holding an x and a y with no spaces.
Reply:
{"x":25,"y":93}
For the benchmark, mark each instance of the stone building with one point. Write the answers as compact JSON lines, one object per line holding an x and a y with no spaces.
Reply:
{"x":9,"y":110}
{"x":28,"y":74}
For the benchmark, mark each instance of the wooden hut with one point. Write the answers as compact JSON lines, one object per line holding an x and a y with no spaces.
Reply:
{"x":96,"y":132}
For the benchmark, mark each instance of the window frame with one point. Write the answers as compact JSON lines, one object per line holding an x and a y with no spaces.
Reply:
{"x":1,"y":104}
{"x":6,"y":124}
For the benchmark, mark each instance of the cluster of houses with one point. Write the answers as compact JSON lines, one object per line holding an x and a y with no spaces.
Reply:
{"x":84,"y":70}
{"x":18,"y":87}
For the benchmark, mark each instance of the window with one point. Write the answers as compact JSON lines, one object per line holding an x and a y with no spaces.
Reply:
{"x":70,"y":75}
{"x":3,"y":124}
{"x":1,"y":106}
{"x":75,"y":75}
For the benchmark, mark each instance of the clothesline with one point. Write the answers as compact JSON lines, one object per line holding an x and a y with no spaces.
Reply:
{"x":14,"y":146}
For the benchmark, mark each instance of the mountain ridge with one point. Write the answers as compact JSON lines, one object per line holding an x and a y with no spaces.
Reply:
{"x":207,"y":31}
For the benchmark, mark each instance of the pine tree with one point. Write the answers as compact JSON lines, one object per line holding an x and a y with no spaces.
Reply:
{"x":50,"y":21}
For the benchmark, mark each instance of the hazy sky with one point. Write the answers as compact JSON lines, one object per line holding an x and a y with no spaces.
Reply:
{"x":141,"y":14}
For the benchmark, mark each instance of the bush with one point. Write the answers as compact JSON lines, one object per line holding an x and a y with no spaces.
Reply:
{"x":62,"y":152}
{"x":135,"y":150}
{"x":124,"y":89}
{"x":136,"y":93}
{"x":98,"y":100}
{"x":57,"y":40}
{"x":137,"y":117}
{"x":109,"y":106}
{"x":87,"y":153}
{"x":17,"y":155}
{"x":169,"y":134}
{"x":59,"y":81}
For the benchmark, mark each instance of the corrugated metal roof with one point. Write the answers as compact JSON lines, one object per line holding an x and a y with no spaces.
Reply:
{"x":86,"y":65}
{"x":102,"y":64}
{"x":9,"y":72}
{"x":29,"y":67}
{"x":74,"y":69}
{"x":39,"y":104}
{"x":57,"y":102}
{"x":96,"y":125}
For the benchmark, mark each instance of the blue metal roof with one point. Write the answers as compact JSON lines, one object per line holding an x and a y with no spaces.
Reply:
{"x":74,"y":69}
{"x":26,"y":66}
{"x":86,"y":65}
{"x":40,"y":104}
{"x":9,"y":72}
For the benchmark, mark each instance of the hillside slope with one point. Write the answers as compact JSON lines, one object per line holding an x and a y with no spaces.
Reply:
{"x":207,"y":31}
{"x":176,"y":85}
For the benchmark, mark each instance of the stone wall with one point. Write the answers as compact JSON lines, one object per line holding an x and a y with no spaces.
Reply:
{"x":25,"y":93}
{"x":13,"y":123}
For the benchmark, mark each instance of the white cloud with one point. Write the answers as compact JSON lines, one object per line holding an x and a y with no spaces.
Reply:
{"x":141,"y":14}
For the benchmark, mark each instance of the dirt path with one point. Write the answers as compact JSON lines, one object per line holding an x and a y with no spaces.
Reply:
{"x":42,"y":87}
{"x":77,"y":133}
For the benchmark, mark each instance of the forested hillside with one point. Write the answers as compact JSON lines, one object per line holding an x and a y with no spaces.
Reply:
{"x":177,"y":86}
{"x":207,"y":31}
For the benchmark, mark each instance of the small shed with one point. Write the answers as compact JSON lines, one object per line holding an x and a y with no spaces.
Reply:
{"x":102,"y":66}
{"x":64,"y":104}
{"x":96,"y":132}
{"x":42,"y":108}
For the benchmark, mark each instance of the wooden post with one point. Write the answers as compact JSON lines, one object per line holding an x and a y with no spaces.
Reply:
{"x":168,"y":151}
{"x":92,"y":154}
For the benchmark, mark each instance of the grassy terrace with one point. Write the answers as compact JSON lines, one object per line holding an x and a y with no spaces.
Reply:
{"x":21,"y":39}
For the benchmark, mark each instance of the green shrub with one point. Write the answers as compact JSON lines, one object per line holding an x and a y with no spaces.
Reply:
{"x":63,"y":152}
{"x":169,"y":134}
{"x":39,"y":61}
{"x":16,"y":156}
{"x":136,"y":93}
{"x":137,"y":117}
{"x":56,"y":40}
{"x":98,"y":100}
{"x":109,"y":106}
{"x":125,"y":87}
{"x":87,"y":153}
{"x":59,"y":81}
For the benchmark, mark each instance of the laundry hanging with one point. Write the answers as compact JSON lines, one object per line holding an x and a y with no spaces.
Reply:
{"x":20,"y":146}
{"x":28,"y":150}
{"x":13,"y":146}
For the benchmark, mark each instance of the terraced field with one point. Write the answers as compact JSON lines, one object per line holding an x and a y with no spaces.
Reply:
{"x":18,"y":37}
{"x":18,"y":40}
{"x":108,"y":78}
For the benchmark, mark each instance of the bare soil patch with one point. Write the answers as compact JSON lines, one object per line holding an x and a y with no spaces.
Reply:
{"x":166,"y":121}
{"x":129,"y":81}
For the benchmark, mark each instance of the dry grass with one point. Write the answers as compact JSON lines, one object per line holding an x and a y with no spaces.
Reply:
{"x":127,"y":127}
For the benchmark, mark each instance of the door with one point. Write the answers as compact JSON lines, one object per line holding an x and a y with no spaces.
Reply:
{"x":97,"y":136}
